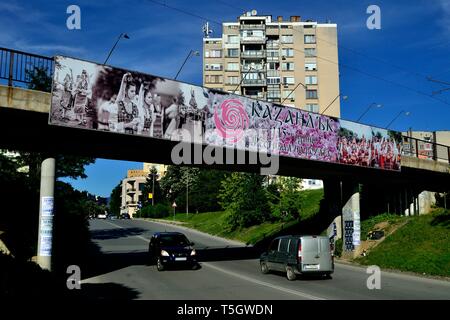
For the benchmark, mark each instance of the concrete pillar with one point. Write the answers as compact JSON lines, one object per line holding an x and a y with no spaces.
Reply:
{"x":45,"y":232}
{"x":351,"y":219}
{"x":332,"y":196}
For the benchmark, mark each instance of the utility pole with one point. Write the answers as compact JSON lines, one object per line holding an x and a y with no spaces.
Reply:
{"x":153,"y":189}
{"x":187,"y":195}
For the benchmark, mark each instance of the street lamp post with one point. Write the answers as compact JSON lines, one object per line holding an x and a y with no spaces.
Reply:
{"x":187,"y":195}
{"x":192,"y":52}
{"x":373,"y":104}
{"x":115,"y":44}
{"x":406,"y":113}
{"x":153,"y":189}
{"x":343,"y":98}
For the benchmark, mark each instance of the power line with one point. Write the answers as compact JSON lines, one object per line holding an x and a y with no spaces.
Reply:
{"x":337,"y":63}
{"x":184,"y":11}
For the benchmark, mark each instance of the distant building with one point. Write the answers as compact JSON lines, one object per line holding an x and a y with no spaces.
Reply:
{"x":311,"y":184}
{"x":268,"y":59}
{"x":133,"y":185}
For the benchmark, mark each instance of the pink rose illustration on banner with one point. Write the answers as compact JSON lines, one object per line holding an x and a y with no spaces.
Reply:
{"x":233,"y":120}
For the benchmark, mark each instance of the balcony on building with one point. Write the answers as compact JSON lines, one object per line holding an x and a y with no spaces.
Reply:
{"x":131,"y":189}
{"x":273,"y":73}
{"x":253,"y":68}
{"x":258,"y":54}
{"x":253,"y":82}
{"x":256,"y":36}
{"x":273,"y":44}
{"x":257,"y":96}
{"x":252,"y":26}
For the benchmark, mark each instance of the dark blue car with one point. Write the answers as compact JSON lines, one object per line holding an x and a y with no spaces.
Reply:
{"x":172,"y":249}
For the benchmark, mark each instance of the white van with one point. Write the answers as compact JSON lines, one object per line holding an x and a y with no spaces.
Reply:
{"x":297,"y":255}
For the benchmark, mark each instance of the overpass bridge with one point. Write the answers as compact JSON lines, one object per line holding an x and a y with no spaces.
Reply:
{"x":24,"y":125}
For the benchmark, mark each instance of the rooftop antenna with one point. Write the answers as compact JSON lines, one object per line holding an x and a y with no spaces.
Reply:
{"x":206,"y":30}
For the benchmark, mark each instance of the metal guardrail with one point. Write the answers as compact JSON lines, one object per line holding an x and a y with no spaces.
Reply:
{"x":16,"y":66}
{"x":423,"y":149}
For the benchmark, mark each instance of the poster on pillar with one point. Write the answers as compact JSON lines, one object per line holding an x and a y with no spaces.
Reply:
{"x":93,"y":96}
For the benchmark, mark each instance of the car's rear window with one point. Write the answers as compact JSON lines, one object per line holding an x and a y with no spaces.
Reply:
{"x":310,"y":245}
{"x":174,"y":240}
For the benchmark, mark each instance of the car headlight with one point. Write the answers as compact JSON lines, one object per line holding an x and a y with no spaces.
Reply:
{"x":164,"y":253}
{"x":193,"y":253}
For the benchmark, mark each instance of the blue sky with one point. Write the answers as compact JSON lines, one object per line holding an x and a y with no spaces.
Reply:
{"x":413,"y":43}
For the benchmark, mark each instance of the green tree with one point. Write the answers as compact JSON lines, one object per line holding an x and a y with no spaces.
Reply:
{"x":152,"y":185}
{"x":244,"y":197}
{"x":115,"y":200}
{"x":204,"y":193}
{"x":289,"y":200}
{"x":39,"y":79}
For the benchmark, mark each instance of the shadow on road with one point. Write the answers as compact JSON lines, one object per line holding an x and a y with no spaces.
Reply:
{"x":104,"y":291}
{"x":106,"y":234}
{"x":227,"y":253}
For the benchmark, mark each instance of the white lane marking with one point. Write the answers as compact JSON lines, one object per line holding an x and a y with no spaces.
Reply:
{"x":116,"y":225}
{"x":262,"y":283}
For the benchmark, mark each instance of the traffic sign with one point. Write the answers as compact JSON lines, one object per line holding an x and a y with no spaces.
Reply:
{"x":174,"y":205}
{"x":150,"y":195}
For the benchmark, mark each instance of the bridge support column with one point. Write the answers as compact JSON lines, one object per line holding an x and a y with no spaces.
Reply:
{"x":332,"y":195}
{"x":351,"y":219}
{"x":46,"y":199}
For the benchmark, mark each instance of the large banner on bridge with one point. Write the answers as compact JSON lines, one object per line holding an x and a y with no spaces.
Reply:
{"x":98,"y":97}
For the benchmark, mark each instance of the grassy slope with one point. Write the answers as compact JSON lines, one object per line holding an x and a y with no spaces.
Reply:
{"x":215,"y":222}
{"x":422,"y":245}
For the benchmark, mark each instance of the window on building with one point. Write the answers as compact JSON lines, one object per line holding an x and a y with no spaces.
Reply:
{"x":273,"y":66}
{"x":287,"y":38}
{"x":233,"y":80}
{"x":312,"y":107}
{"x":213,"y":79}
{"x":311,"y":94}
{"x":310,"y":52}
{"x":288,"y":66}
{"x":287,"y":52}
{"x":233,"y":52}
{"x":311,"y":80}
{"x":233,"y":39}
{"x":273,"y":94}
{"x":310,"y":38}
{"x":272,"y":53}
{"x":310,"y":66}
{"x":233,"y":66}
{"x":288,"y":94}
{"x":214,"y":66}
{"x":273,"y":81}
{"x":213,"y":54}
{"x":288,"y":80}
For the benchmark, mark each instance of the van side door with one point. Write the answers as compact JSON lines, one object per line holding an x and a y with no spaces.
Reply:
{"x":283,"y":254}
{"x":272,"y":254}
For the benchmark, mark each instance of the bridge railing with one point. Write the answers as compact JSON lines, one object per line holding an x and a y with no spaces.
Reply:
{"x":424,"y":149}
{"x":17,"y":66}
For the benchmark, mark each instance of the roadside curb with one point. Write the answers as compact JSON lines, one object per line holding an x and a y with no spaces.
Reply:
{"x":174,"y":225}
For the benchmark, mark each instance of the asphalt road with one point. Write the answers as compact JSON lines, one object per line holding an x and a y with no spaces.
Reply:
{"x":229,"y":271}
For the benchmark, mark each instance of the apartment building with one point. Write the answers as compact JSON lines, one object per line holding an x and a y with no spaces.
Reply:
{"x":291,"y":62}
{"x":133,"y":185}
